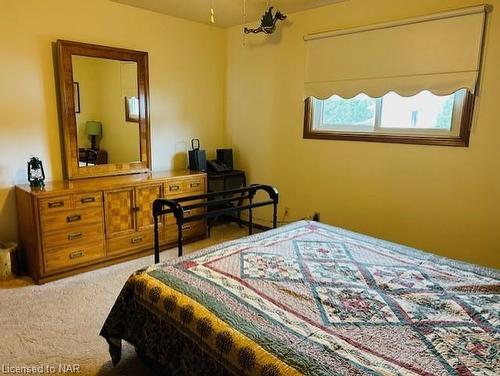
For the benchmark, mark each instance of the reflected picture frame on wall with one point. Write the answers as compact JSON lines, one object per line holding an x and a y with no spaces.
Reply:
{"x":76,"y":93}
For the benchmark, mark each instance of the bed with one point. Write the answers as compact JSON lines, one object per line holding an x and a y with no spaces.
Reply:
{"x":312,"y":299}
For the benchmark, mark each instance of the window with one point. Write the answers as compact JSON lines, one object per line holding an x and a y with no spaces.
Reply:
{"x":424,"y":118}
{"x":409,"y":81}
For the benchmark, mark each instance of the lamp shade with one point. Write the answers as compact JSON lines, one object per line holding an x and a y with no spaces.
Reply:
{"x":93,"y":128}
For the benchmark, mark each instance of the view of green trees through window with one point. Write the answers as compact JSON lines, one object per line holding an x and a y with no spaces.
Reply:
{"x":445,"y":115}
{"x":424,"y":110}
{"x":358,"y":110}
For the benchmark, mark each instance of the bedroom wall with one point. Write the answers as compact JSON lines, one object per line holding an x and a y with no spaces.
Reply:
{"x":440,"y":199}
{"x":187,"y":82}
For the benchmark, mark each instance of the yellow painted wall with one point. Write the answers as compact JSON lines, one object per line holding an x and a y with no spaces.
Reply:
{"x":187,"y":82}
{"x":442,"y":199}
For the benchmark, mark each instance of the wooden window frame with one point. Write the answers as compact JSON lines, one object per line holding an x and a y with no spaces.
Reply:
{"x":461,"y":140}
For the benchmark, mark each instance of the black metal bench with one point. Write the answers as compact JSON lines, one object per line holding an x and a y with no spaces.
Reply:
{"x":164,"y":206}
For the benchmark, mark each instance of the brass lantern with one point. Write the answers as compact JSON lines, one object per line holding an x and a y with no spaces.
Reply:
{"x":36,"y":175}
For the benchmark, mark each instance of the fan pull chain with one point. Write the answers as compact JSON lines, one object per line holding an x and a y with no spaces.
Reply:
{"x":212,"y":13}
{"x":244,"y":22}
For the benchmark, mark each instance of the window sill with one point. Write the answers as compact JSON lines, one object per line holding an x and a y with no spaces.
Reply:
{"x":390,"y":138}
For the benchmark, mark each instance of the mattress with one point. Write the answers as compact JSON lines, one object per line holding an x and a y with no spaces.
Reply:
{"x":311,"y":299}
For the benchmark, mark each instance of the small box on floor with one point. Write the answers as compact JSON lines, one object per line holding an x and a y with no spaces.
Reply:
{"x":8,"y":261}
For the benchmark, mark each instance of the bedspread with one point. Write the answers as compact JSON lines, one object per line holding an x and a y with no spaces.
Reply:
{"x":308,"y":298}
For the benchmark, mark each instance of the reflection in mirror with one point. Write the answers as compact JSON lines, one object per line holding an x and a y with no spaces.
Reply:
{"x":132,"y":109}
{"x":107,"y":130}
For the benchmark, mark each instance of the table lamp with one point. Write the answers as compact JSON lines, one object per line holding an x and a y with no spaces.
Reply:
{"x":93,"y":129}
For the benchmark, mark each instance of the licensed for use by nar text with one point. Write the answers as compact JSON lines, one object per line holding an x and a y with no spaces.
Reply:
{"x":40,"y":369}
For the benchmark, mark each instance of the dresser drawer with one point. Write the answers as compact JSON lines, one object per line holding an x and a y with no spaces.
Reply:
{"x":195,"y":185}
{"x":185,"y":186}
{"x":54,"y":205}
{"x":71,"y":218}
{"x":73,"y":236}
{"x":189,"y":230}
{"x":73,"y":256}
{"x":139,"y":240}
{"x":86,"y":200}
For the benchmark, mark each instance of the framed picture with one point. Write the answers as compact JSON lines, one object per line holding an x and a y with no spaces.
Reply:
{"x":132,"y":109}
{"x":76,"y":93}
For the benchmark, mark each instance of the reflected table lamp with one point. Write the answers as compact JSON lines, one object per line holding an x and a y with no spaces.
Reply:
{"x":93,"y":129}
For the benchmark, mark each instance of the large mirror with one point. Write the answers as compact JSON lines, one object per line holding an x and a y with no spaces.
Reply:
{"x":104,"y":102}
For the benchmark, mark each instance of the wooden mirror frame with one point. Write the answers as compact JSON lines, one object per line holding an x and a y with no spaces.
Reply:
{"x":66,"y":49}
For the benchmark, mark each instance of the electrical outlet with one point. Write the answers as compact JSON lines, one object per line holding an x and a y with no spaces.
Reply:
{"x":286,"y":213}
{"x":316,"y":217}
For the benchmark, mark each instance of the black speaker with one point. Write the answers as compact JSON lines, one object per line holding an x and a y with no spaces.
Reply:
{"x":197,"y":157}
{"x":225,"y":156}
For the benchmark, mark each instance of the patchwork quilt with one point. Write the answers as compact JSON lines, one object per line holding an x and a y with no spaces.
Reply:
{"x":311,"y":299}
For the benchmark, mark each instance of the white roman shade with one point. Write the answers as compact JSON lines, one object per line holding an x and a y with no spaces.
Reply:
{"x":440,"y":53}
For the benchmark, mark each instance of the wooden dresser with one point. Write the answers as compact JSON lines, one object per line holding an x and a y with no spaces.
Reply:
{"x":73,"y":226}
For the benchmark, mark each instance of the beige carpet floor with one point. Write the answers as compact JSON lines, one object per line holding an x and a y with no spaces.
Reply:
{"x":59,"y":322}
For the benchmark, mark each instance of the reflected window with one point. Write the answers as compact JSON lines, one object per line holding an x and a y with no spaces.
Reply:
{"x":132,"y":109}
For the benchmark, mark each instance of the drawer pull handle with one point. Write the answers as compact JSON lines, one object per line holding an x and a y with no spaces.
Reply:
{"x":73,"y":218}
{"x":74,"y":236}
{"x":174,"y":187}
{"x":195,"y":185}
{"x":56,"y":204}
{"x":76,"y":254}
{"x":186,"y":227}
{"x":136,"y":240}
{"x":86,"y":200}
{"x":136,"y":209}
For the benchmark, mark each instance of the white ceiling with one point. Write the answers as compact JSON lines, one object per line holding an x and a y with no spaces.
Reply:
{"x":227,"y":12}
